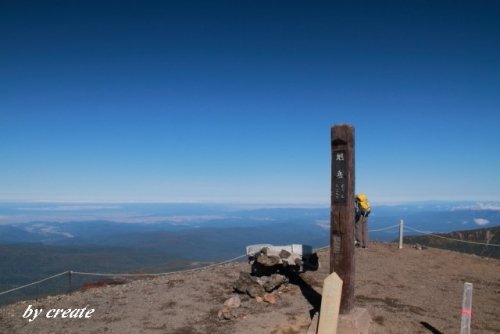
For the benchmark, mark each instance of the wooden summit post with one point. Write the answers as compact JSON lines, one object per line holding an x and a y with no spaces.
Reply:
{"x":342,"y":212}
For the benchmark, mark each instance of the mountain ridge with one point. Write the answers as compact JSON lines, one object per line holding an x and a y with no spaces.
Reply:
{"x":482,"y":241}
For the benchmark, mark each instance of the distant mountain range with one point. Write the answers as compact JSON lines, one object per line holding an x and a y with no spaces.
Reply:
{"x":40,"y":239}
{"x":473,"y":241}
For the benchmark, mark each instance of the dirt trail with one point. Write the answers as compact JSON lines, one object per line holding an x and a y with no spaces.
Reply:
{"x":405,"y":291}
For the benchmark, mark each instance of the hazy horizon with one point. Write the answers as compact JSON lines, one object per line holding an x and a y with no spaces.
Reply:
{"x":155,"y":212}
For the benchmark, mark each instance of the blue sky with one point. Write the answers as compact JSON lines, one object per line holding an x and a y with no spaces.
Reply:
{"x":232,"y":101}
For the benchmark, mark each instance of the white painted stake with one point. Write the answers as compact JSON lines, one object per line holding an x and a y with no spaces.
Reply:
{"x":466,"y":309}
{"x":401,"y":234}
{"x":330,"y":305}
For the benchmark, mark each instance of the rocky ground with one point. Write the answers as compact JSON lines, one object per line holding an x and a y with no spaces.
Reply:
{"x":405,"y":291}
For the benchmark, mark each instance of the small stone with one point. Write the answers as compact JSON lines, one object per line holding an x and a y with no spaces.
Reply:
{"x":262,"y":280}
{"x":255,"y":290}
{"x":233,"y":302}
{"x":267,"y":260}
{"x":274,"y":281}
{"x":270,"y":298}
{"x":259,"y":299}
{"x":225,"y":314}
{"x":248,"y":284}
{"x":284,"y":254}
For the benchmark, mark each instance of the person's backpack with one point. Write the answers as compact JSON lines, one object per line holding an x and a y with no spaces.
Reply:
{"x":363,"y":204}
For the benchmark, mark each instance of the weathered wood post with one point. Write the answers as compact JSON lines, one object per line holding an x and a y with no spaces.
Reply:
{"x":342,"y":212}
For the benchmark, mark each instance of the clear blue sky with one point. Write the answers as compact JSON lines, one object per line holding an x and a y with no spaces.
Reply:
{"x":232,"y":101}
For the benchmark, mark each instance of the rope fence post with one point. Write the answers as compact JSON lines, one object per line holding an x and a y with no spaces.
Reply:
{"x":466,"y":309}
{"x":401,"y":234}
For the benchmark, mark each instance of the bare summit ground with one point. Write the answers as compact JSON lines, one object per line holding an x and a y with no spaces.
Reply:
{"x":405,"y":291}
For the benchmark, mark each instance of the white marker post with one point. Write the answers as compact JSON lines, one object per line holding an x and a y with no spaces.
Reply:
{"x":466,"y":309}
{"x":330,"y":305}
{"x":401,"y":223}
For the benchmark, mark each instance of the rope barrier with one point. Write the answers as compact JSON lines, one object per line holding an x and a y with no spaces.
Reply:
{"x":30,"y":284}
{"x":123,"y":274}
{"x":384,"y":229}
{"x":321,"y":248}
{"x":223,"y":262}
{"x":443,"y":237}
{"x":160,"y":274}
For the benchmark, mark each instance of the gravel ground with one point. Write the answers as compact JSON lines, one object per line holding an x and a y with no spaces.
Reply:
{"x":405,"y":291}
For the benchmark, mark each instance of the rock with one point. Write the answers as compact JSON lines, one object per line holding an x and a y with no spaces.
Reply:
{"x":225,"y":314}
{"x":270,"y":298}
{"x":258,"y":286}
{"x":274,"y":281}
{"x":255,"y":290}
{"x":284,"y":254}
{"x":259,"y":299}
{"x":233,"y":302}
{"x":248,"y":284}
{"x":267,"y":261}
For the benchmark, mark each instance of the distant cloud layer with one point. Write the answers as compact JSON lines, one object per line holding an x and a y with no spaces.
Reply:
{"x":479,"y":206}
{"x":71,"y":208}
{"x":323,"y":223}
{"x":481,"y":221}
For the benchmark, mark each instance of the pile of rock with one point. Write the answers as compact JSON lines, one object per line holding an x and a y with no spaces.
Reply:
{"x":258,"y":286}
{"x":262,"y":289}
{"x":268,"y":258}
